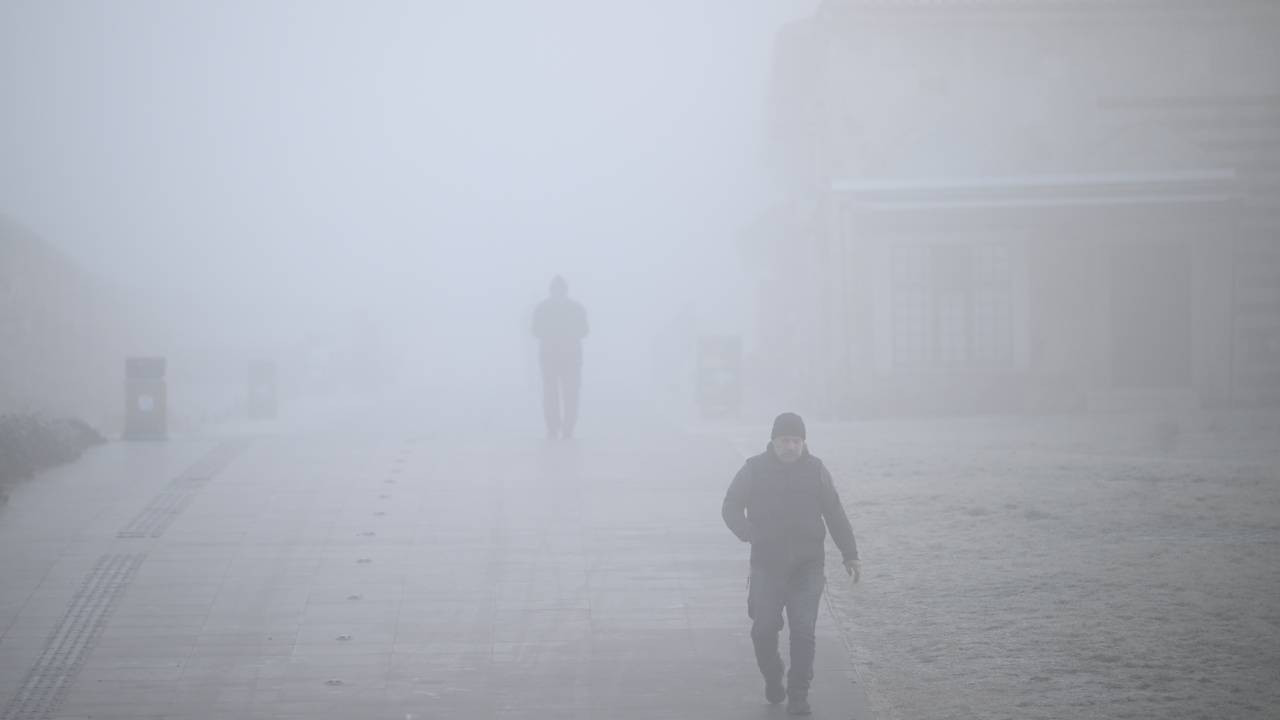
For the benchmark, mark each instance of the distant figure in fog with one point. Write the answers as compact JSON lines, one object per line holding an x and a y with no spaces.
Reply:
{"x":783,"y":501}
{"x":560,"y":324}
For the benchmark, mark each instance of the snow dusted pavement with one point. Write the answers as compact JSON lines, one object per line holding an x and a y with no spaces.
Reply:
{"x":1113,"y":567}
{"x":1117,"y":567}
{"x":359,"y":575}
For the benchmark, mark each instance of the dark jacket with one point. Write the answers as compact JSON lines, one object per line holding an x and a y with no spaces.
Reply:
{"x":560,"y":324}
{"x":780,"y":508}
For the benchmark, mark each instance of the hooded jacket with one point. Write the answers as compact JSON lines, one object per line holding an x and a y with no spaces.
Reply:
{"x":560,"y":324}
{"x":785,"y":509}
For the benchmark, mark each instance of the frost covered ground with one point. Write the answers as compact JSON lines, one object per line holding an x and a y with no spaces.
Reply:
{"x":1112,"y":567}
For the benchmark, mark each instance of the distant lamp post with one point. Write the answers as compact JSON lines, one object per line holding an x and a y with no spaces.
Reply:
{"x":146,"y":399}
{"x":262,"y":390}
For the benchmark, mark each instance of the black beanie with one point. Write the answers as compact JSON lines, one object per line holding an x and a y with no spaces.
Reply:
{"x":788,"y":424}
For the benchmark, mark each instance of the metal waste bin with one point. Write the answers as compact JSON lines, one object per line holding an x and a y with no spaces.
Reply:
{"x":146,"y":399}
{"x":719,"y":375}
{"x":262,"y":390}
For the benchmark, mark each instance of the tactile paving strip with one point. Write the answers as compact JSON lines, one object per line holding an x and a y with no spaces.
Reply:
{"x":49,"y":679}
{"x":216,"y":459}
{"x":156,"y":517}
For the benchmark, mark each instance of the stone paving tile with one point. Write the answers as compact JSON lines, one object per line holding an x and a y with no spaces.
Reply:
{"x":375,"y":577}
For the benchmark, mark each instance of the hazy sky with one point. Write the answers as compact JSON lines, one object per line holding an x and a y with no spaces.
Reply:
{"x":300,"y":156}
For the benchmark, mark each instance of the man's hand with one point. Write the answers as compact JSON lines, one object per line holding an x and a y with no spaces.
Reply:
{"x":853,"y":567}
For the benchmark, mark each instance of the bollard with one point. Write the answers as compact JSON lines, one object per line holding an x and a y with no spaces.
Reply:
{"x":146,"y":399}
{"x":262,"y":390}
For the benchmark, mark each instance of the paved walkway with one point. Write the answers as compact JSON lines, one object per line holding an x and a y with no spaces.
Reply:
{"x":327,"y":575}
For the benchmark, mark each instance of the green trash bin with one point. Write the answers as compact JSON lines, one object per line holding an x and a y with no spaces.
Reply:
{"x":146,"y":399}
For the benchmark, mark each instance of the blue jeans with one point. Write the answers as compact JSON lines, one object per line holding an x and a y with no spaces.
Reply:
{"x":797,"y":589}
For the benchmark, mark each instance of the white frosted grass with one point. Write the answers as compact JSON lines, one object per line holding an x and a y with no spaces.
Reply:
{"x":1064,"y":571}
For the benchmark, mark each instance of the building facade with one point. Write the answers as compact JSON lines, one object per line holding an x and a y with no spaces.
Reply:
{"x":1006,"y":204}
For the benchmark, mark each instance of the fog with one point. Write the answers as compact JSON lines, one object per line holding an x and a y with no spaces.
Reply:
{"x":1054,"y":204}
{"x":1014,"y":263}
{"x":281,"y":171}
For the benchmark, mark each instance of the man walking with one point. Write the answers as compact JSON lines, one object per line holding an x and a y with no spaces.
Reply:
{"x":783,"y":501}
{"x":560,"y":324}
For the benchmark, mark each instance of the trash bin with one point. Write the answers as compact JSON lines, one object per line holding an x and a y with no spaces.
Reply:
{"x":719,"y":375}
{"x":146,"y":399}
{"x":262,"y":390}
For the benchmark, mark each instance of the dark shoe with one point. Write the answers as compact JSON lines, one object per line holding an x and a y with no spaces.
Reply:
{"x":798,"y":705}
{"x":774,"y":691}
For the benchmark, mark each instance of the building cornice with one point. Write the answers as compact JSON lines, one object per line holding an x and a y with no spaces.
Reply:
{"x":836,"y":10}
{"x":1043,"y":191}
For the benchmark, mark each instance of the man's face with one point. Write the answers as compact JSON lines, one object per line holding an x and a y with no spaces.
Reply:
{"x":788,"y":447}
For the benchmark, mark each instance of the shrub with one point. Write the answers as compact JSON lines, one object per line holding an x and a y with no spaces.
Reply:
{"x":30,"y":443}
